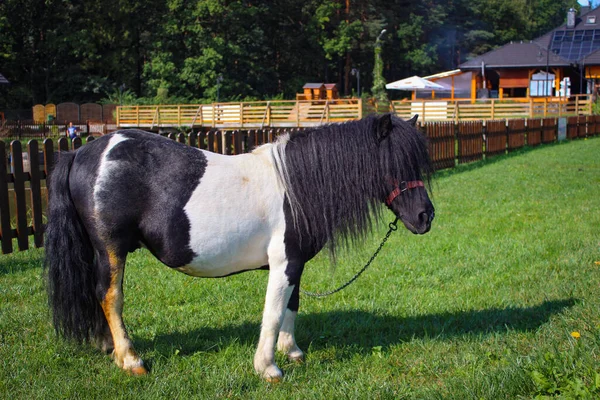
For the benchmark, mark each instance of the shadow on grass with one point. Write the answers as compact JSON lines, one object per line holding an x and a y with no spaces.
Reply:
{"x":360,"y":331}
{"x":21,"y":262}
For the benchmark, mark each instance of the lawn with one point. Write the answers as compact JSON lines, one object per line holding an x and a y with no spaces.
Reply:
{"x":485,"y":306}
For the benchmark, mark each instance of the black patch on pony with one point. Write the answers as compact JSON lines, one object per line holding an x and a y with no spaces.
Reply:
{"x":155,"y":180}
{"x":338,"y":175}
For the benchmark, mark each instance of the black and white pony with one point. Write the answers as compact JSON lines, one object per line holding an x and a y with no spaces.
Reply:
{"x":211,"y":215}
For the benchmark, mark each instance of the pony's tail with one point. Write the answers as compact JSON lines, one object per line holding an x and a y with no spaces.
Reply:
{"x":71,"y":276}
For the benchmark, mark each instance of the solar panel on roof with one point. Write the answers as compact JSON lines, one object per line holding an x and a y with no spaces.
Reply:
{"x":575,"y":45}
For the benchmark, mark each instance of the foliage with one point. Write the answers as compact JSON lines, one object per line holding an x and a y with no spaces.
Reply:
{"x":57,"y":50}
{"x":596,"y":107}
{"x":570,"y":372}
{"x":379,"y":93}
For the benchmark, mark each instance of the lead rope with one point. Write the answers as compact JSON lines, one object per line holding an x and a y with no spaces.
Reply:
{"x":393,"y":227}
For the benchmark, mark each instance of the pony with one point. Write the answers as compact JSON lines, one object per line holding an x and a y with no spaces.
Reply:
{"x":274,"y":208}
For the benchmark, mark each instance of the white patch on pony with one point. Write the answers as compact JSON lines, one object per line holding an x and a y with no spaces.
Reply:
{"x":234,"y":212}
{"x":286,"y":343}
{"x":278,"y":295}
{"x":106,"y":166}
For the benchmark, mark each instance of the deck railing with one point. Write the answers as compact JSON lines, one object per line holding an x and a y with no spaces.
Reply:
{"x":259,"y":114}
{"x":486,"y":109}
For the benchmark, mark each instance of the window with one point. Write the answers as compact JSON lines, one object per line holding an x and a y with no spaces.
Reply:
{"x":590,"y":20}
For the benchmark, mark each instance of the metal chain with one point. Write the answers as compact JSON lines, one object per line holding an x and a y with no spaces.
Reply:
{"x":393,"y":227}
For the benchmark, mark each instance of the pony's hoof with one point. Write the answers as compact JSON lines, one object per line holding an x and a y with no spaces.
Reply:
{"x":273,"y":379}
{"x":138,"y":371}
{"x":297,"y":357}
{"x":272,"y":374}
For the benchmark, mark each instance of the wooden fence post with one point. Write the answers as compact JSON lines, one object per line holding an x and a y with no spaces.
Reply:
{"x":210,"y":141}
{"x":48,"y":157}
{"x":219,"y":148}
{"x":193,"y":139}
{"x":237,"y":142}
{"x":202,"y":140}
{"x":19,"y":185}
{"x":63,"y":145}
{"x":228,"y":142}
{"x":5,"y":228}
{"x":76,"y":143}
{"x":35,"y":193}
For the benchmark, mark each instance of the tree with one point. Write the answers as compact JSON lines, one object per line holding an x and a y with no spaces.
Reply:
{"x":379,"y":93}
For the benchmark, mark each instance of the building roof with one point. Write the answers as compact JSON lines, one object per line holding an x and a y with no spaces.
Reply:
{"x":582,"y":23}
{"x":516,"y":55}
{"x":313,"y":86}
{"x":562,"y":46}
{"x":444,"y":74}
{"x":591,"y":59}
{"x":3,"y":80}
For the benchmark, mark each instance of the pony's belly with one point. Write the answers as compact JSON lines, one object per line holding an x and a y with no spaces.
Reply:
{"x":221,"y":259}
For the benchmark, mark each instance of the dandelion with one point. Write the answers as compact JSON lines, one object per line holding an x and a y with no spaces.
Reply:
{"x":597,"y":262}
{"x":575,"y":335}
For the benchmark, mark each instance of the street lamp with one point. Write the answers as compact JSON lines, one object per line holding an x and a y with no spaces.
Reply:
{"x":379,"y":37}
{"x":219,"y":80}
{"x":356,"y":72}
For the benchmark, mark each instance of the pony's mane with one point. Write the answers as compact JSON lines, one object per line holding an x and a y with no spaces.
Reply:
{"x":335,"y":175}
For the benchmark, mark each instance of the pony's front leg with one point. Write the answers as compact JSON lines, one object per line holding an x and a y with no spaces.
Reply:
{"x":279,"y":291}
{"x":286,"y":343}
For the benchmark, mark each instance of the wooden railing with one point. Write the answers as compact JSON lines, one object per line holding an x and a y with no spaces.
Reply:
{"x":465,"y":109}
{"x":259,"y":114}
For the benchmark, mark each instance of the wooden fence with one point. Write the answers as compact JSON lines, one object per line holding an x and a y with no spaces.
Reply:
{"x":23,"y":191}
{"x":23,"y":173}
{"x":257,"y":114}
{"x":489,"y":109}
{"x":29,"y":129}
{"x":72,"y":112}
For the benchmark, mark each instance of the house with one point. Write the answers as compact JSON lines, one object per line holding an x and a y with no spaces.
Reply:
{"x":561,"y":63}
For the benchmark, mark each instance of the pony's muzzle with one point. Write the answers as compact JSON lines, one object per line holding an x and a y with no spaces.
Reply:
{"x":422,"y":224}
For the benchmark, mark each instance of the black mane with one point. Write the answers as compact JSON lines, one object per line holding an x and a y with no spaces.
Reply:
{"x":335,"y":176}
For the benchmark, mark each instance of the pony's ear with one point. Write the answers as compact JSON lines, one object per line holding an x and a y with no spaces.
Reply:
{"x":384,"y":126}
{"x":413,"y":120}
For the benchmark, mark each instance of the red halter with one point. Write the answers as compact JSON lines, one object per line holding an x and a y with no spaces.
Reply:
{"x":403,"y":187}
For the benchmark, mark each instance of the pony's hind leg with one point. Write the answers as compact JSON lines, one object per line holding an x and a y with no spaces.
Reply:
{"x":110,"y":293}
{"x":286,"y":343}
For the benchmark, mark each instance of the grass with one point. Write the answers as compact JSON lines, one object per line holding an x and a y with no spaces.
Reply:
{"x":482,"y":307}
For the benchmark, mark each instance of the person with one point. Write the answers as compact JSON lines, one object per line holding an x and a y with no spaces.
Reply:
{"x":72,"y":131}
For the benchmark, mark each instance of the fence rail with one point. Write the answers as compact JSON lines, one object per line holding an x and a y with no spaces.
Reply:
{"x":259,"y":114}
{"x":23,"y":172}
{"x":30,"y":129}
{"x":489,"y":109}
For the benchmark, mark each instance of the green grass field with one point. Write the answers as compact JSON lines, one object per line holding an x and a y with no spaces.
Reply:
{"x":482,"y":307}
